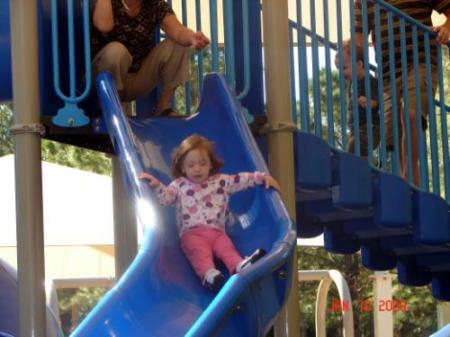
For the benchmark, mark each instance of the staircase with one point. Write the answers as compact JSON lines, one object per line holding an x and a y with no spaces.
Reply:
{"x":355,"y":204}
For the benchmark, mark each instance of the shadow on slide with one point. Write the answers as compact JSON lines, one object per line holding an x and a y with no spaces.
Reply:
{"x":159,"y":295}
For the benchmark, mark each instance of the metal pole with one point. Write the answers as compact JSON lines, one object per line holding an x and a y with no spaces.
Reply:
{"x":443,"y":312}
{"x":26,"y":128}
{"x":281,"y":150}
{"x":125,"y":229}
{"x":382,"y":293}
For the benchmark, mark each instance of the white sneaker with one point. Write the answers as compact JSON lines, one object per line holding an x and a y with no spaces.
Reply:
{"x":213,"y":280}
{"x":249,"y":260}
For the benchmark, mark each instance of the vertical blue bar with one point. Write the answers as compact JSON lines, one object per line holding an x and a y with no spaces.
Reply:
{"x":393,"y":87}
{"x":187,"y":85}
{"x":248,"y":42}
{"x":198,"y":24}
{"x":316,"y":73}
{"x":354,"y":84}
{"x":383,"y":154}
{"x":246,"y":47}
{"x":367,"y":82}
{"x":294,"y":111}
{"x":229,"y":41}
{"x":432,"y":119}
{"x":55,"y":47}
{"x":406,"y":103}
{"x":342,"y":93}
{"x":444,"y":131}
{"x":214,"y":35}
{"x":420,"y":134}
{"x":303,"y":70}
{"x":71,"y":45}
{"x":329,"y":87}
{"x":87,"y":49}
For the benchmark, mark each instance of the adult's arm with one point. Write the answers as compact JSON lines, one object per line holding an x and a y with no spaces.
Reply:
{"x":183,"y":35}
{"x":102,"y":16}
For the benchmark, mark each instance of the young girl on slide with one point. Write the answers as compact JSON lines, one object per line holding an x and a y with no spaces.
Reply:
{"x":201,"y":195}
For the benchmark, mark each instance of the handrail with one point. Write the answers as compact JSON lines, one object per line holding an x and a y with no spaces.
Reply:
{"x":246,"y":45}
{"x":70,"y":115}
{"x":334,"y":46}
{"x":407,"y":144}
{"x":326,"y":277}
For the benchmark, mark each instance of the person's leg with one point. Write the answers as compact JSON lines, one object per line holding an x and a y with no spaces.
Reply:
{"x":225,"y":250}
{"x":197,"y":246}
{"x":167,"y":64}
{"x":116,"y":59}
{"x":423,"y":110}
{"x":351,"y":144}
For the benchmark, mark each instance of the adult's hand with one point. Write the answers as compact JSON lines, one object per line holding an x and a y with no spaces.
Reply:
{"x":183,"y":35}
{"x":443,"y":33}
{"x":199,"y":40}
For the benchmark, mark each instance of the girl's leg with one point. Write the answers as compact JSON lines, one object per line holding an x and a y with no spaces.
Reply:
{"x":197,"y":246}
{"x":225,"y":250}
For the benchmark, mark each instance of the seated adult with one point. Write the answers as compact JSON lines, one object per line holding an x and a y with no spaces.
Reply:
{"x":123,"y":43}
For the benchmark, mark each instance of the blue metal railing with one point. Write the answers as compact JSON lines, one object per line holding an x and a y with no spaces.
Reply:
{"x":400,"y":62}
{"x":71,"y":115}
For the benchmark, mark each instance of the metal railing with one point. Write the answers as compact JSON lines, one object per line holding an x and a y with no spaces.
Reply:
{"x":326,"y":278}
{"x":414,"y":147}
{"x":219,"y":57}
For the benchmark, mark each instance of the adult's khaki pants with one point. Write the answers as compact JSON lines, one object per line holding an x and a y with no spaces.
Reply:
{"x":167,"y":64}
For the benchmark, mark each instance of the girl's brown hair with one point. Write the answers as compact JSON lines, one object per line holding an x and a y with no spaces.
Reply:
{"x":194,"y":142}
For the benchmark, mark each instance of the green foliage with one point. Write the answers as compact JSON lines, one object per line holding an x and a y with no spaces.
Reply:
{"x":194,"y":90}
{"x":55,"y":152}
{"x":420,"y":318}
{"x":6,"y":144}
{"x":82,"y":300}
{"x":358,"y":278}
{"x":75,"y":157}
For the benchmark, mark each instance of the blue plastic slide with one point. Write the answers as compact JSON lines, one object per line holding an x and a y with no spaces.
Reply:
{"x":160,"y":295}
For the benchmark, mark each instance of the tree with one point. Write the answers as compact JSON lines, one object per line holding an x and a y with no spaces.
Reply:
{"x":55,"y":152}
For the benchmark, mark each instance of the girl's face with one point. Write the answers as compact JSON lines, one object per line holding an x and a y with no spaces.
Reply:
{"x":196,"y":165}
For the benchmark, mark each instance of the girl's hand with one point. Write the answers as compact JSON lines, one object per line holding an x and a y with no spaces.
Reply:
{"x":153,"y":182}
{"x":269,"y":181}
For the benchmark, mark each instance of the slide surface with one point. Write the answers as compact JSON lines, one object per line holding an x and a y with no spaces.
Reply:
{"x":159,"y":295}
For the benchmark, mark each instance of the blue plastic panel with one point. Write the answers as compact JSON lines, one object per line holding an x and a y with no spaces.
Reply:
{"x":5,"y":53}
{"x":312,"y":162}
{"x":431,"y":219}
{"x":352,"y":181}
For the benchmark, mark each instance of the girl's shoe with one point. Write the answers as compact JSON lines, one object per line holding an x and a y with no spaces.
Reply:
{"x":249,"y":260}
{"x":213,"y":279}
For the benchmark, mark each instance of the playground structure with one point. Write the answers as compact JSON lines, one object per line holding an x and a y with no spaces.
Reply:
{"x":355,"y":205}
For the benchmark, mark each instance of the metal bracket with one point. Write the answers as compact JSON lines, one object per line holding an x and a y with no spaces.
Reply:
{"x":272,"y":127}
{"x":27,"y":128}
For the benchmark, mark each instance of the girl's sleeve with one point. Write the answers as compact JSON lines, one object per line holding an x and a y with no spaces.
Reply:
{"x":167,"y":195}
{"x":243,"y":180}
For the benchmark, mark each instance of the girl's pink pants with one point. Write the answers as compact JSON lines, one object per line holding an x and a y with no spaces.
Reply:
{"x":201,"y":245}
